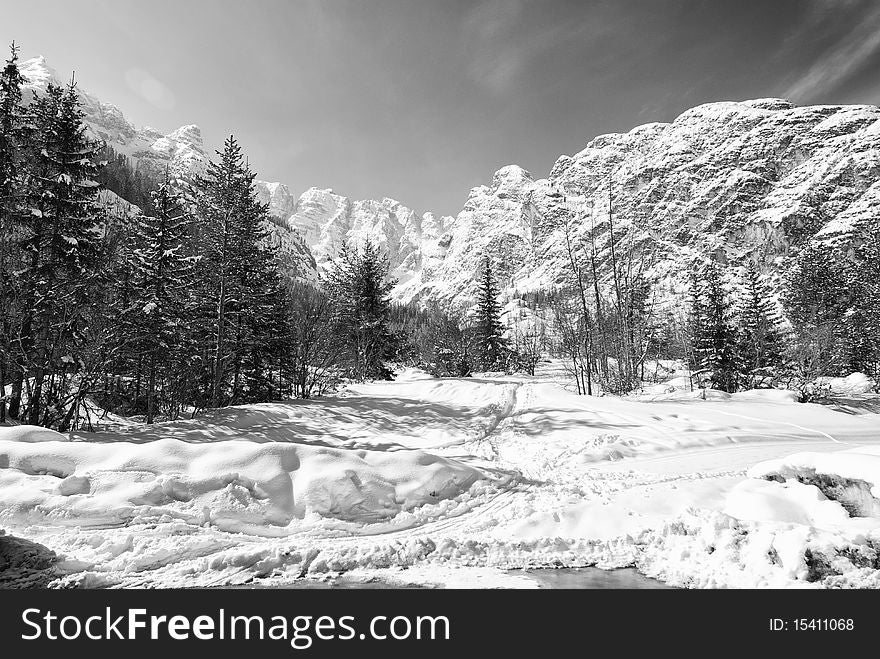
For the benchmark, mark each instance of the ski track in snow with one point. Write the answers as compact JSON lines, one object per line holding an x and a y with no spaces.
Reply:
{"x":569,"y":481}
{"x":793,"y":425}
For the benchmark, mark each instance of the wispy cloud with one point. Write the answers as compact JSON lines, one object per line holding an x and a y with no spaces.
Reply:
{"x":847,"y":56}
{"x":501,"y":40}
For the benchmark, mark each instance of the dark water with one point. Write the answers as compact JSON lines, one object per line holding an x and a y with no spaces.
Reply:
{"x":591,"y":578}
{"x":580,"y":578}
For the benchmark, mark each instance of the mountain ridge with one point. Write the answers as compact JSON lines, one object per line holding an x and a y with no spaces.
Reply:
{"x":748,"y":182}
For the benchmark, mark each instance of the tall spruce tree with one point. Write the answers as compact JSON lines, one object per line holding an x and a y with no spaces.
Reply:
{"x":163,"y":272}
{"x":359,"y":289}
{"x":491,"y":345}
{"x":761,"y":341}
{"x":62,"y":237}
{"x":12,"y":143}
{"x":715,"y":337}
{"x":262,"y":293}
{"x":237,"y":272}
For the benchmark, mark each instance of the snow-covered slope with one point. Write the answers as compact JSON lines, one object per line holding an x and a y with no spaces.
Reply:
{"x":424,"y":480}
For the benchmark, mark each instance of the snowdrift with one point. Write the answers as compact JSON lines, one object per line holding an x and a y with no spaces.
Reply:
{"x":234,"y":485}
{"x":807,"y":519}
{"x":849,"y":477}
{"x":852,"y":384}
{"x":30,"y":434}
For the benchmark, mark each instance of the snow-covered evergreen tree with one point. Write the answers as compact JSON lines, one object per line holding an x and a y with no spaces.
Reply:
{"x":62,"y":238}
{"x":163,"y":272}
{"x":492,"y":347}
{"x":12,"y":143}
{"x":714,"y":333}
{"x":237,"y":273}
{"x":761,"y":340}
{"x":359,"y":288}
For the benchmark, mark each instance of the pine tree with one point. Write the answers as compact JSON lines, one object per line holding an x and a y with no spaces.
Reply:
{"x":12,"y":138}
{"x":359,"y":289}
{"x":761,"y":344}
{"x":714,"y":333}
{"x":262,"y":293}
{"x":163,"y":272}
{"x":62,"y":239}
{"x":817,"y":294}
{"x":237,"y":272}
{"x":491,"y":344}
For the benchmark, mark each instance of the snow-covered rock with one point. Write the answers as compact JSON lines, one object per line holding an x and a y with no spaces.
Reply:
{"x":182,"y":150}
{"x":853,"y":475}
{"x":325,"y":219}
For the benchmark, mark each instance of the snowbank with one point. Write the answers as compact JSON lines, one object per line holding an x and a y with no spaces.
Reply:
{"x":860,"y":464}
{"x":30,"y":434}
{"x":852,"y":384}
{"x":792,"y":502}
{"x":233,"y":486}
{"x":757,"y":395}
{"x":768,"y":395}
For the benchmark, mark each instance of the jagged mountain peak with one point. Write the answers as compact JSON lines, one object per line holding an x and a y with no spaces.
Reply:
{"x":37,"y":69}
{"x":183,"y":152}
{"x":191,"y":134}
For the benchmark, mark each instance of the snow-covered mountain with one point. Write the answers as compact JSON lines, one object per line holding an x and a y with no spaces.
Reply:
{"x":746,"y":181}
{"x":325,"y":219}
{"x":182,"y":151}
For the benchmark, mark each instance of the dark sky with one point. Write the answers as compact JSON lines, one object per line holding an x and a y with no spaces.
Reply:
{"x":421,"y":100}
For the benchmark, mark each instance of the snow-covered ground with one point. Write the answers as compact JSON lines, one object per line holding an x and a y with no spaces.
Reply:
{"x":427,"y":481}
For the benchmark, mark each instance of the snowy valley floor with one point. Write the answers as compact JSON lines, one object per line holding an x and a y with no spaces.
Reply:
{"x":451,"y":482}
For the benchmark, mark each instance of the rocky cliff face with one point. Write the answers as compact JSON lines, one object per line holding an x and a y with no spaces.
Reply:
{"x":749,"y":181}
{"x":745,"y":181}
{"x":325,"y":219}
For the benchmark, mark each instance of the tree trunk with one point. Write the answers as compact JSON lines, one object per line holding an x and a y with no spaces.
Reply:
{"x":218,"y":346}
{"x":151,"y":386}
